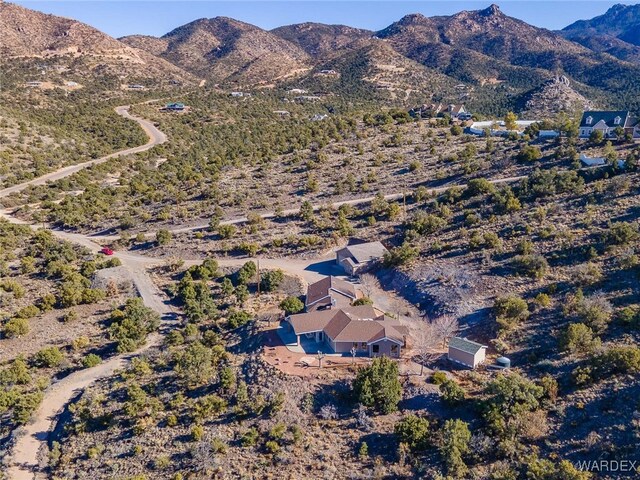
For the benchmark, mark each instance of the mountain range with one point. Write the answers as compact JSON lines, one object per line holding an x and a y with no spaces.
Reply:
{"x":484,"y":57}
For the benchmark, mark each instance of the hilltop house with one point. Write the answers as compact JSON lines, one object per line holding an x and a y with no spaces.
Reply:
{"x":468,"y":353}
{"x":355,"y":259}
{"x":361,"y":328}
{"x":607,"y":123}
{"x":175,"y":107}
{"x":330,"y":293}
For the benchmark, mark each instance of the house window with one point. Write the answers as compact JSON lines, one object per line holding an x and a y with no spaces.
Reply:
{"x":617,"y":120}
{"x":363,"y":345}
{"x":394,"y":350}
{"x":589,"y":120}
{"x":376,"y":349}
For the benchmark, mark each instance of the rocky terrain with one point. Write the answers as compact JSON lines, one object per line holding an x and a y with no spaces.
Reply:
{"x":616,"y":32}
{"x":553,"y":97}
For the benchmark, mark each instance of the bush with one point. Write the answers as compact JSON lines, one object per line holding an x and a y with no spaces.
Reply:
{"x":534,"y":266}
{"x":271,"y":280}
{"x":49,"y":357}
{"x":163,"y":237}
{"x":377,"y":386}
{"x":510,"y":311}
{"x":237,"y":318}
{"x":414,"y":431}
{"x":16,"y":327}
{"x":529,"y":153}
{"x":452,"y":393}
{"x":250,"y":437}
{"x":291,"y":305}
{"x":131,"y":325}
{"x":425,"y":223}
{"x":91,"y":360}
{"x":400,"y":255}
{"x":439,"y":377}
{"x":621,"y":233}
{"x":479,"y":186}
{"x":579,"y":338}
{"x":27,"y":312}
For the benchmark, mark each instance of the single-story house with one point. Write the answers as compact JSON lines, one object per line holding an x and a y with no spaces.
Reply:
{"x":175,"y":107}
{"x":361,"y":328}
{"x":355,"y":259}
{"x":548,"y":134}
{"x":468,"y":353}
{"x":606,"y":122}
{"x":330,"y":293}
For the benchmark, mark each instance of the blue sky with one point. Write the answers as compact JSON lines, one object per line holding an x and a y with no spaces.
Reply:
{"x":153,"y":17}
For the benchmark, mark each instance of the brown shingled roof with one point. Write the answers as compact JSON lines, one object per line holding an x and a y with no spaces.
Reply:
{"x":323,"y":288}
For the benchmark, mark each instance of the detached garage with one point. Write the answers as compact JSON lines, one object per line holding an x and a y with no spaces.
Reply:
{"x":468,"y":353}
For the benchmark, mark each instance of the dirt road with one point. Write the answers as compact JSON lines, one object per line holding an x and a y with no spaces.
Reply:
{"x":156,"y":137}
{"x":23,"y":462}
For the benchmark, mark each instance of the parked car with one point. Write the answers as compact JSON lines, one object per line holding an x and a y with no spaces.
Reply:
{"x":106,"y":251}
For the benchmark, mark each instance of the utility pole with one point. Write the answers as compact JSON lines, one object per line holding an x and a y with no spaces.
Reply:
{"x":320,"y":356}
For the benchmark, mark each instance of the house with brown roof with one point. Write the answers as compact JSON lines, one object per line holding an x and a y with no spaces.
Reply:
{"x":356,"y":259}
{"x":361,"y":328}
{"x":330,"y":293}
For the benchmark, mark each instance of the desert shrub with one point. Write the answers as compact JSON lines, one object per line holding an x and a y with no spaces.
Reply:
{"x":594,"y":311}
{"x":377,"y":386}
{"x":452,"y":393}
{"x":130,"y":326}
{"x":91,"y":360}
{"x":163,"y":237}
{"x":425,"y":223}
{"x":439,"y":377}
{"x":587,"y":273}
{"x":400,"y":255}
{"x":197,"y":433}
{"x":510,"y":311}
{"x":208,"y":407}
{"x":237,"y":318}
{"x":49,"y":357}
{"x":479,"y":186}
{"x":529,"y":153}
{"x":362,"y":301}
{"x":534,"y":266}
{"x":617,"y":360}
{"x":13,"y":287}
{"x":579,"y":338}
{"x":16,"y":327}
{"x":246,"y":273}
{"x":414,"y":431}
{"x":271,"y":280}
{"x":621,"y":233}
{"x":196,"y":364}
{"x":250,"y":437}
{"x":27,"y":312}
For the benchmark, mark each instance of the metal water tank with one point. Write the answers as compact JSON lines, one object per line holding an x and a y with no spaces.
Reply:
{"x":504,"y":362}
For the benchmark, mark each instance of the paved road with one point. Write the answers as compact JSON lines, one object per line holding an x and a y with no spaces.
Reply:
{"x":156,"y":137}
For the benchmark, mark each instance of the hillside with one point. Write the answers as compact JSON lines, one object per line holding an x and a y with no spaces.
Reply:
{"x":616,"y":32}
{"x":29,"y":36}
{"x":551,"y":98}
{"x":227,"y":50}
{"x":323,"y":41}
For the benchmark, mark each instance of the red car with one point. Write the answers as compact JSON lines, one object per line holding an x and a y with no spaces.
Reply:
{"x":106,"y":251}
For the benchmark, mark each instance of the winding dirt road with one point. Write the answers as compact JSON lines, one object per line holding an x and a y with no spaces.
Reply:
{"x":23,"y":462}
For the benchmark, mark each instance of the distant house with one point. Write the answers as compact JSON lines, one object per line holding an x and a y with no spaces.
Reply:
{"x":426,"y":111}
{"x":328,"y":72}
{"x":282,"y":113}
{"x":607,"y":122}
{"x":456,"y":111}
{"x":240,"y":94}
{"x":136,"y":86}
{"x":318,"y":117}
{"x":468,"y":353}
{"x":355,"y":259}
{"x":329,"y":293}
{"x":34,"y":83}
{"x":175,"y":107}
{"x":297,"y":91}
{"x":361,"y":328}
{"x":306,"y":98}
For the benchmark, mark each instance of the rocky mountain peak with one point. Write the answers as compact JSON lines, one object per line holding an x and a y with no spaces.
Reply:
{"x":490,"y":11}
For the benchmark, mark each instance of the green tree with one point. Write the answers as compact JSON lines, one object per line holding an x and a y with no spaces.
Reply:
{"x":291,"y":305}
{"x":271,"y":280}
{"x":413,"y":431}
{"x":131,"y":325}
{"x":510,"y":121}
{"x":163,"y":237}
{"x":377,"y":386}
{"x":455,"y":445}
